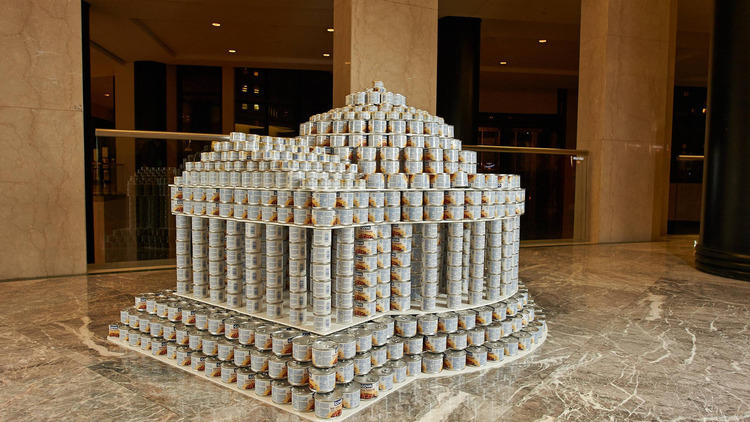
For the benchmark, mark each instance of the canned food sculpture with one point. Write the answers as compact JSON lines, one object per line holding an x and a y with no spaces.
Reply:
{"x":363,"y":253}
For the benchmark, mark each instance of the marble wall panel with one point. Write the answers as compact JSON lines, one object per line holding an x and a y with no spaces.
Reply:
{"x":391,"y":41}
{"x":41,"y":139}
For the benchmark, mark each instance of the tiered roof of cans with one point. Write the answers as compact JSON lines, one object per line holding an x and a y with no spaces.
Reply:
{"x":375,"y":142}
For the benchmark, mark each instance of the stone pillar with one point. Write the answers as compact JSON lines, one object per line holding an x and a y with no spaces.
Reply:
{"x":724,"y":246}
{"x":391,"y":41}
{"x":626,"y":83}
{"x":41,"y":139}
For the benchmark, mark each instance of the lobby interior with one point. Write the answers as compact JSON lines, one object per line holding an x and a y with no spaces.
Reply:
{"x":600,"y":105}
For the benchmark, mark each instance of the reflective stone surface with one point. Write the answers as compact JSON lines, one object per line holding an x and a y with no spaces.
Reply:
{"x":634,"y":333}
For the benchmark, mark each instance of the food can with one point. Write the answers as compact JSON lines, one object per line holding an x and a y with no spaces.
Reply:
{"x":344,"y":371}
{"x":228,"y":373}
{"x":466,"y":319}
{"x":457,"y":340}
{"x":413,"y":345}
{"x":302,"y":348}
{"x":298,"y":373}
{"x":281,"y":341}
{"x":225,"y":350}
{"x":454,"y":360}
{"x":385,"y":378}
{"x":405,"y":326}
{"x":263,"y":340}
{"x":369,"y":385}
{"x":245,"y":379}
{"x":322,"y":380}
{"x":302,"y":399}
{"x":262,"y":385}
{"x":241,"y":355}
{"x":198,"y":361}
{"x":212,"y":367}
{"x":475,"y":336}
{"x":395,"y":348}
{"x":432,"y":363}
{"x":277,"y":367}
{"x":328,"y":405}
{"x":364,"y":309}
{"x":324,"y":353}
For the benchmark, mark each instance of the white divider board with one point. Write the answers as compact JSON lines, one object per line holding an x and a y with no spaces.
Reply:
{"x":346,"y":413}
{"x":335,"y":326}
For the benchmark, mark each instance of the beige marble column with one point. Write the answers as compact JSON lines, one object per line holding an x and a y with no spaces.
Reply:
{"x":388,"y":40}
{"x":626,"y":83}
{"x":42,"y":211}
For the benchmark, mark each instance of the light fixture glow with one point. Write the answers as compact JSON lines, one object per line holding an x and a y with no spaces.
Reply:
{"x":107,"y":94}
{"x":329,"y":29}
{"x":503,"y":62}
{"x":216,"y":24}
{"x":232,"y":50}
{"x":542,"y":41}
{"x":326,"y":55}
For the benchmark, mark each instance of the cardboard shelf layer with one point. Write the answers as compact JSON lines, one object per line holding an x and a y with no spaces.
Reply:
{"x":346,"y":413}
{"x":335,"y":326}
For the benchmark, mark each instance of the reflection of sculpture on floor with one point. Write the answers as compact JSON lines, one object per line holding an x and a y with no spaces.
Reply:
{"x":326,"y":268}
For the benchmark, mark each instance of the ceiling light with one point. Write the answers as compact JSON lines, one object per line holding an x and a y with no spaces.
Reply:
{"x":232,"y":51}
{"x":329,"y":29}
{"x":107,"y":94}
{"x":326,"y":54}
{"x":542,"y":41}
{"x":503,"y":62}
{"x":216,"y":24}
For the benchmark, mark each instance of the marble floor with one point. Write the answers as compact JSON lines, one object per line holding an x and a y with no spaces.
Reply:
{"x":635,"y":333}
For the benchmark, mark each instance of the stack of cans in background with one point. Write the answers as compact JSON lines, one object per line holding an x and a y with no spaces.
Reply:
{"x":183,"y":250}
{"x":254,"y":266}
{"x":476,"y":262}
{"x":365,"y":270}
{"x":343,"y":271}
{"x":298,"y":301}
{"x":321,"y":280}
{"x":430,"y":245}
{"x":217,"y":260}
{"x":383,"y":288}
{"x":404,"y":279}
{"x":454,"y":258}
{"x":277,"y":259}
{"x":235,"y":265}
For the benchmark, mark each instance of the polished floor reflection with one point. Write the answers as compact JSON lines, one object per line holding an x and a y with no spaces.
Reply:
{"x":635,"y":332}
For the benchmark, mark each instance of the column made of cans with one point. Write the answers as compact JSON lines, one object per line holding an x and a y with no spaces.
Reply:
{"x":402,"y":289}
{"x":235,"y":263}
{"x":430,"y":242}
{"x":496,"y":238}
{"x":383,"y":288}
{"x":276,"y":265}
{"x":183,"y":251}
{"x":476,"y":262}
{"x":320,"y":280}
{"x":365,"y":270}
{"x":454,"y":258}
{"x":254,"y":264}
{"x":217,"y":292}
{"x":200,"y":258}
{"x":343,"y":270}
{"x":298,"y":300}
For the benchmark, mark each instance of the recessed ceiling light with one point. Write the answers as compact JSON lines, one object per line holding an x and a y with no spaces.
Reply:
{"x":216,"y":24}
{"x":542,"y":41}
{"x":329,"y":29}
{"x":107,"y":94}
{"x":503,"y":62}
{"x":232,"y":51}
{"x":326,"y":54}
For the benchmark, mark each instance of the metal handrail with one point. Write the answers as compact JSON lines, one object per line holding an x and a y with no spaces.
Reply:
{"x":150,"y":134}
{"x":688,"y":157}
{"x":526,"y":150}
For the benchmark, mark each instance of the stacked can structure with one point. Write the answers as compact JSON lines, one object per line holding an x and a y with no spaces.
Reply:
{"x":183,"y":253}
{"x":298,"y":258}
{"x":343,"y":285}
{"x":402,"y":277}
{"x":366,"y":270}
{"x":321,"y":277}
{"x":277,"y":258}
{"x":235,"y":263}
{"x":430,"y":246}
{"x":254,"y":266}
{"x":326,"y":374}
